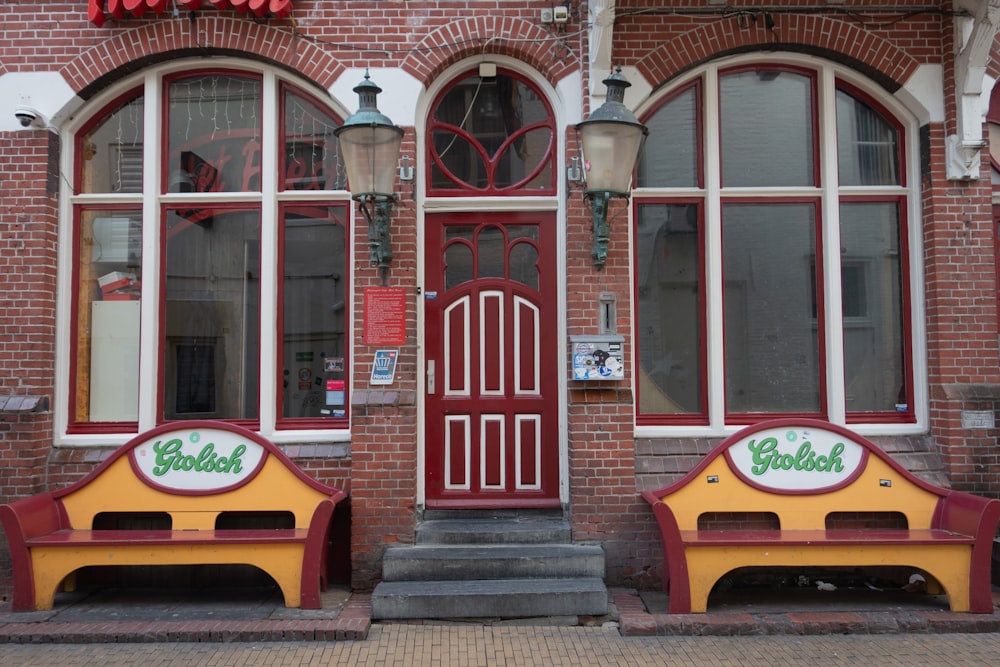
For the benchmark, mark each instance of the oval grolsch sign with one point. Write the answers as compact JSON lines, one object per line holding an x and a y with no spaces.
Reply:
{"x":797,"y":459}
{"x":198,"y":460}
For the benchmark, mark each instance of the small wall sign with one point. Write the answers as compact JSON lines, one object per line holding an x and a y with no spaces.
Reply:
{"x":978,"y":419}
{"x":385,"y":316}
{"x":797,"y":459}
{"x":199,"y":460}
{"x":384,"y":367}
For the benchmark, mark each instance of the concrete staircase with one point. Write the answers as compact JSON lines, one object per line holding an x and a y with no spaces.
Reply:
{"x":489,"y":564}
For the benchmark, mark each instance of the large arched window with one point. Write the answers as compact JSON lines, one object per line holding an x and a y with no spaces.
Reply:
{"x":772,"y":252}
{"x":210,"y":259}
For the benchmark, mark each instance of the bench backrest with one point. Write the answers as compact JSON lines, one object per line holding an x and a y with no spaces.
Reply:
{"x":195,"y":472}
{"x":801,"y":471}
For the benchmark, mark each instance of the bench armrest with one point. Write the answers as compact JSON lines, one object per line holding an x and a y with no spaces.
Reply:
{"x":31,"y":517}
{"x":967,"y":514}
{"x":22,"y":520}
{"x":675,"y":571}
{"x":314,"y":568}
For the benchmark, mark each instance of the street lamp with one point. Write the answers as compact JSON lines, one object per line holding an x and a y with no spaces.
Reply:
{"x":610,"y":139}
{"x":369,"y":145}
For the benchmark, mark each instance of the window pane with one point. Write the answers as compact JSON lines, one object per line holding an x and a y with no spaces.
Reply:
{"x":867,"y":144}
{"x":767,"y":129}
{"x":212,"y":325}
{"x":490,"y":252}
{"x":107,"y":341}
{"x":214,"y":134}
{"x":669,"y":331}
{"x":458,"y":256}
{"x":670,"y":157}
{"x":312,"y":160}
{"x":874,"y":353}
{"x":111,"y":151}
{"x":314,"y":312}
{"x":772,"y":345}
{"x":524,"y":263}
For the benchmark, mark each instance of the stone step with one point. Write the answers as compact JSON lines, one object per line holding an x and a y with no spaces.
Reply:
{"x":499,"y":598}
{"x":429,"y":563}
{"x":478,"y":531}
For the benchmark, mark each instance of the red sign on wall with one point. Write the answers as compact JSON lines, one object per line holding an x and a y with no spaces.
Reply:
{"x":385,"y":316}
{"x":97,"y":9}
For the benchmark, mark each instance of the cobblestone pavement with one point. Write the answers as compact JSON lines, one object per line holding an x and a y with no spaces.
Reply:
{"x":501,"y":646}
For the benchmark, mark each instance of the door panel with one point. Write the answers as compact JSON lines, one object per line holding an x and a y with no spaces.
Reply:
{"x":492,"y":429}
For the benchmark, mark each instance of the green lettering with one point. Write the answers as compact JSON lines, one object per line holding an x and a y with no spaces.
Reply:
{"x":169,"y":456}
{"x":763,"y":454}
{"x":835,"y":463}
{"x":206,"y":459}
{"x":235,"y":464}
{"x":166,"y":456}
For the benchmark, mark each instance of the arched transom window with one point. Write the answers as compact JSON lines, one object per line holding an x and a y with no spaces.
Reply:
{"x":491,"y":135}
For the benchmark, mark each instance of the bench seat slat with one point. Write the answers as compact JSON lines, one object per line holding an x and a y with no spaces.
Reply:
{"x":817,"y":537}
{"x":110,"y":538}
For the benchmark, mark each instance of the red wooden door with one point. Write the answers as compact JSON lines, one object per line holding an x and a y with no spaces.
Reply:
{"x":492,"y":417}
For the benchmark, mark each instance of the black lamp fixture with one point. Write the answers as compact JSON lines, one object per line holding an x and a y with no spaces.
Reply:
{"x":610,"y":139}
{"x":369,"y":145}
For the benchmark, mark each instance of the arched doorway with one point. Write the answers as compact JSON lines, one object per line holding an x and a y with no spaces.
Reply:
{"x":491,"y":299}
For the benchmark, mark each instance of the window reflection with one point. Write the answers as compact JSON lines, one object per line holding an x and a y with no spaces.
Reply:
{"x":311,"y":152}
{"x":211,"y":330}
{"x":772,"y":345}
{"x":111,"y":150}
{"x":314,"y":313}
{"x":668,"y":275}
{"x":214,"y":134}
{"x":109,"y":269}
{"x":867,"y":144}
{"x":670,"y":158}
{"x":874,"y":353}
{"x":767,"y":128}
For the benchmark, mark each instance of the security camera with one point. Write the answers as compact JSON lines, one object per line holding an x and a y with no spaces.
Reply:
{"x":29,"y":116}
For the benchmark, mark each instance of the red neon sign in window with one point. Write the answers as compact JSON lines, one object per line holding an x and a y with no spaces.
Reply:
{"x":138,"y":8}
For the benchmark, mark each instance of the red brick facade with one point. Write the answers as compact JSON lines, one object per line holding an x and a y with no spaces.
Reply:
{"x":607,"y":461}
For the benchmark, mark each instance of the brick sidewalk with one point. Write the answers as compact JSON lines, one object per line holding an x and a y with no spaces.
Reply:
{"x":635,"y":621}
{"x":240,"y":621}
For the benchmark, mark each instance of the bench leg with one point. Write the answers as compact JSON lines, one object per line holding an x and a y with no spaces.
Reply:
{"x":47,"y":581}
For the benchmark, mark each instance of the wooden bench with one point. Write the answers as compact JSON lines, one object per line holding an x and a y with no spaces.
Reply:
{"x":804,"y":473}
{"x":202,"y":489}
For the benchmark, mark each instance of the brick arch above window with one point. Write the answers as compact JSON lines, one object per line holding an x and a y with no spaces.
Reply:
{"x":533,"y":46}
{"x":163,"y":40}
{"x":833,"y":39}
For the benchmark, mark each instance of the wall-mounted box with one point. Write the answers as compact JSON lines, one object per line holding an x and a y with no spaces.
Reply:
{"x":597,"y":357}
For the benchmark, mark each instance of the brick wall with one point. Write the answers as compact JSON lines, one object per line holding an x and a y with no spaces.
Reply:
{"x":607,"y":466}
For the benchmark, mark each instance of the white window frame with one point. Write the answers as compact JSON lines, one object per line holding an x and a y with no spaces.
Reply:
{"x":829,"y":193}
{"x":152,"y":81}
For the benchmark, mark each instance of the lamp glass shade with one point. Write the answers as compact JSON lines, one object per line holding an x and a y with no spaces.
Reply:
{"x":610,"y":150}
{"x":371,"y":155}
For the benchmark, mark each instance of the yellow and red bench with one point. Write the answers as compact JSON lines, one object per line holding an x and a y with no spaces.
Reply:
{"x":204,"y":487}
{"x":805,"y":473}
